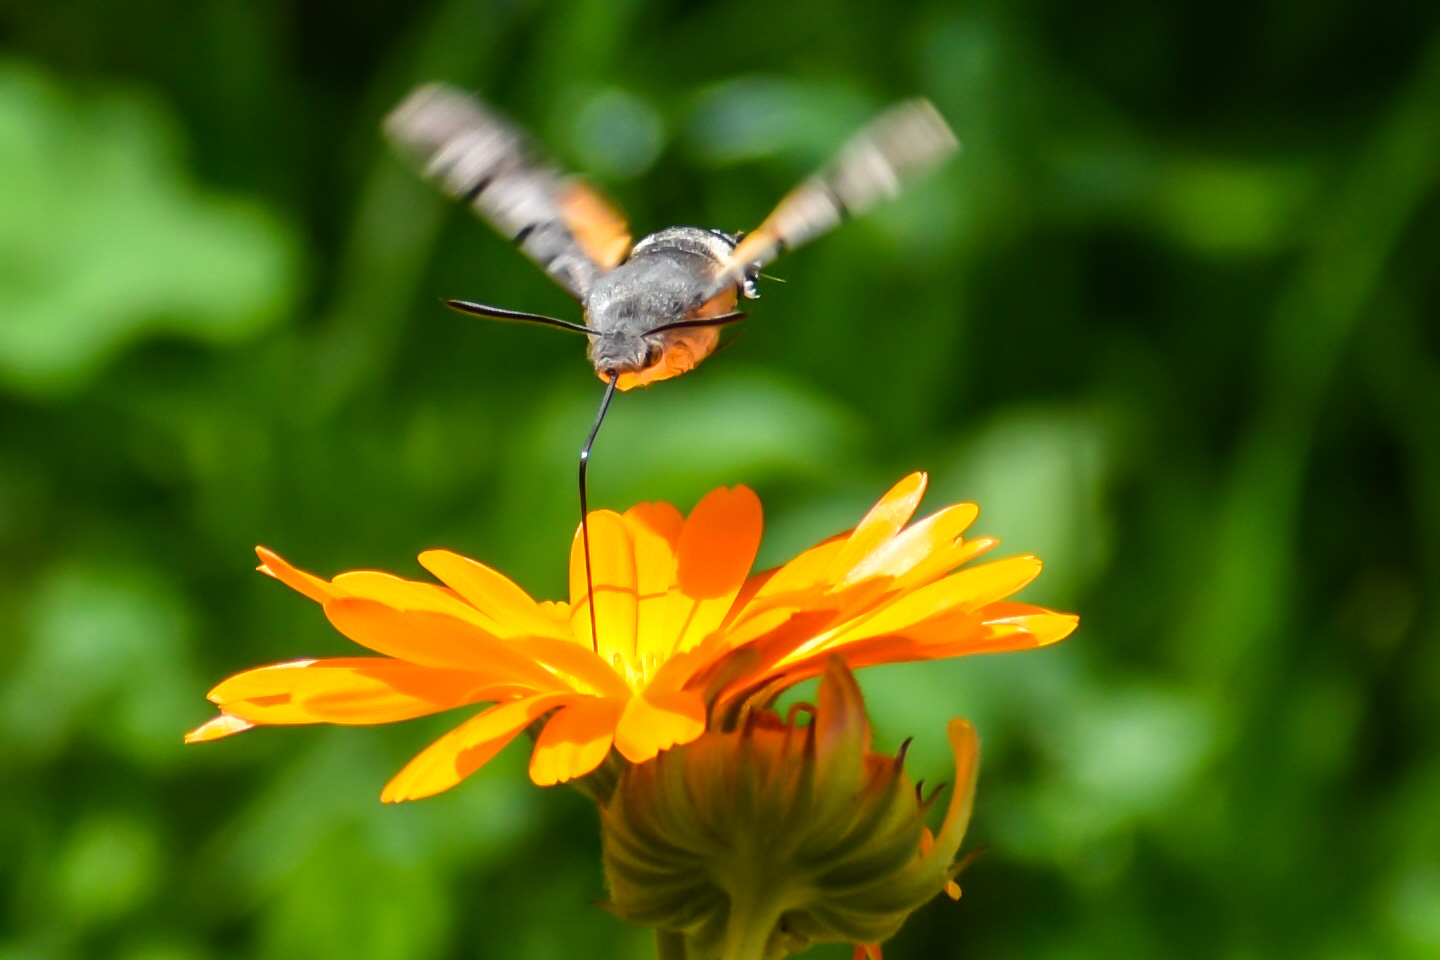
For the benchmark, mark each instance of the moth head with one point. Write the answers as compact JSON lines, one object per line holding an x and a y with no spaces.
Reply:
{"x":623,"y":352}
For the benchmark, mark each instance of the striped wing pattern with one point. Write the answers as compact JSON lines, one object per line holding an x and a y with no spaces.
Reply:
{"x":475,"y":155}
{"x":902,"y":143}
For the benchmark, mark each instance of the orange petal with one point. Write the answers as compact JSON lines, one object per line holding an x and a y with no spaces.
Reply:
{"x":278,"y":678}
{"x":224,"y":725}
{"x":944,"y":560}
{"x":1046,"y":626}
{"x":967,"y":590}
{"x":433,"y":639}
{"x":512,"y":610}
{"x":716,"y":549}
{"x":955,"y":634}
{"x":265,"y":695}
{"x":940,"y":637}
{"x":349,"y":690}
{"x":797,"y":581}
{"x":402,"y":594}
{"x":378,"y":690}
{"x":272,"y":565}
{"x":467,"y":748}
{"x":557,"y":610}
{"x":718,"y":543}
{"x":612,"y":569}
{"x":656,"y":720}
{"x":579,"y":666}
{"x":575,"y":741}
{"x":884,"y":520}
{"x":655,"y":529}
{"x":867,"y":951}
{"x":907,"y":550}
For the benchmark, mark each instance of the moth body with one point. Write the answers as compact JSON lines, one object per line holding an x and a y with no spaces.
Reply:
{"x":644,"y":302}
{"x":662,"y":280}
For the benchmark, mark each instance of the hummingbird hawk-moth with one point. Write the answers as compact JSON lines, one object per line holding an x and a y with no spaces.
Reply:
{"x":652,"y":309}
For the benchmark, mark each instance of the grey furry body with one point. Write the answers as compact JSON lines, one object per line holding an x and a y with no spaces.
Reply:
{"x":666,"y":276}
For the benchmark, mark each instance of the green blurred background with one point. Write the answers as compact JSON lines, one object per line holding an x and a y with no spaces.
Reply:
{"x":1170,"y":319}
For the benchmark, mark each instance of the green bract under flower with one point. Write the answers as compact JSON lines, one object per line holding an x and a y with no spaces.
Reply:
{"x":758,"y":842}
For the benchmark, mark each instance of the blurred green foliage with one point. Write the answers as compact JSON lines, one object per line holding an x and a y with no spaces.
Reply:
{"x":1170,"y":319}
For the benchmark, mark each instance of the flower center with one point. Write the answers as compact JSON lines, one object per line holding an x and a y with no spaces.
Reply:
{"x":637,"y":671}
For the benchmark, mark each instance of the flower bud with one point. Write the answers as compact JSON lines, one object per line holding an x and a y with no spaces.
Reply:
{"x":757,"y":842}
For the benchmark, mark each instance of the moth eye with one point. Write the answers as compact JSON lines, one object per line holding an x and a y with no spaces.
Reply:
{"x":653,"y":354}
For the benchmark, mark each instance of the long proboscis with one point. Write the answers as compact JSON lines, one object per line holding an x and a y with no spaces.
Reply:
{"x":614,"y":379}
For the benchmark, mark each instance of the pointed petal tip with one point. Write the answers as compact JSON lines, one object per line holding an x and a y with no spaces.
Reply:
{"x":274,"y":565}
{"x":1044,"y":626}
{"x":1060,"y":626}
{"x":269,"y":561}
{"x":225,"y":725}
{"x":915,"y":479}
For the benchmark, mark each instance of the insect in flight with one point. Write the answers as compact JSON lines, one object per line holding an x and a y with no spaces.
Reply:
{"x":652,"y":309}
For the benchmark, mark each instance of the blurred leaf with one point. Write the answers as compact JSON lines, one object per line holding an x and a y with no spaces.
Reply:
{"x":1119,"y":759}
{"x":108,"y":866}
{"x":616,"y":133}
{"x":158,"y":948}
{"x":343,"y":901}
{"x":1226,"y":207}
{"x":103,"y":241}
{"x":1412,"y":909}
{"x":1039,"y":476}
{"x":105,"y":657}
{"x":757,"y":117}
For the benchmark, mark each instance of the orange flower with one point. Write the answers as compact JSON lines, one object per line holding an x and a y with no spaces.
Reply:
{"x":687,"y":636}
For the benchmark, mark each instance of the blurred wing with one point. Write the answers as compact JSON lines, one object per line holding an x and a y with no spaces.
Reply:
{"x":903,"y":142}
{"x":595,"y":223}
{"x":560,"y":222}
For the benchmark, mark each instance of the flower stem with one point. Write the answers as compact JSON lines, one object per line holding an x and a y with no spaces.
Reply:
{"x":669,"y":945}
{"x":752,"y":919}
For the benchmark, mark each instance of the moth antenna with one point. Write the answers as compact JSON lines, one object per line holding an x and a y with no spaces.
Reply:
{"x":773,"y":279}
{"x":720,"y":321}
{"x":585,"y":507}
{"x":514,"y":316}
